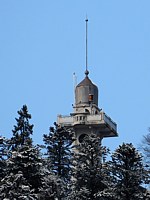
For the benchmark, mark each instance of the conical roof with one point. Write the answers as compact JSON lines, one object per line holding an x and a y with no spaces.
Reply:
{"x":85,"y":81}
{"x":84,"y":89}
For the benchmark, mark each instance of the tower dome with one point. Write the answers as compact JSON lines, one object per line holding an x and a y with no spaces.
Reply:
{"x":86,"y":92}
{"x":87,"y":117}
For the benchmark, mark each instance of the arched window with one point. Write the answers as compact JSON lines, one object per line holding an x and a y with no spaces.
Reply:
{"x":87,"y":111}
{"x":81,"y":137}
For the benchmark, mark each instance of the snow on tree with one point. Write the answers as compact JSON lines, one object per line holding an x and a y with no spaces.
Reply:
{"x":52,"y":187}
{"x":128,"y":173}
{"x":90,"y":175}
{"x":16,"y":187}
{"x":58,"y":144}
{"x":23,"y":157}
{"x":23,"y":130}
{"x":145,"y":147}
{"x":29,"y":162}
{"x":3,"y":156}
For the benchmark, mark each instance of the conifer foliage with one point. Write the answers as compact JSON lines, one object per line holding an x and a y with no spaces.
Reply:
{"x":59,"y":144}
{"x":146,"y":148}
{"x":67,"y":171}
{"x":23,"y":130}
{"x":90,"y":175}
{"x":128,"y":173}
{"x":14,"y":186}
{"x":23,"y":162}
{"x":3,"y":156}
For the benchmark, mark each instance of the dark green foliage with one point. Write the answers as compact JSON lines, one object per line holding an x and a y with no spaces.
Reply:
{"x":90,"y":174}
{"x":15,"y":186}
{"x":52,"y":187}
{"x":145,"y":146}
{"x":58,"y":144}
{"x":3,"y":156}
{"x":29,"y":162}
{"x":23,"y":158}
{"x":23,"y":130}
{"x":128,"y":172}
{"x":70,"y":172}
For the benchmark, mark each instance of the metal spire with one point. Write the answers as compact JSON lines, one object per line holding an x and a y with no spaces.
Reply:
{"x":86,"y":72}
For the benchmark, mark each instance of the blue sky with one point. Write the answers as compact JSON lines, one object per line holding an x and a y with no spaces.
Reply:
{"x":42,"y":43}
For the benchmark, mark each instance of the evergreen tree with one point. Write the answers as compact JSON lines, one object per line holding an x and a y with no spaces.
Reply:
{"x":145,"y":146}
{"x":27,"y":160}
{"x":90,"y":175}
{"x":23,"y":158}
{"x":23,"y":130}
{"x":58,"y":144}
{"x":52,"y":187}
{"x":128,"y":172}
{"x":3,"y":156}
{"x":15,"y":186}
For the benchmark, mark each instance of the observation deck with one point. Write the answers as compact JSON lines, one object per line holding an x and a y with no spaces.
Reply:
{"x":101,"y":122}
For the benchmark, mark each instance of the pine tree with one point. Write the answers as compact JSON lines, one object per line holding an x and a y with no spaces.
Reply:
{"x":24,"y":159}
{"x":90,"y":175}
{"x":3,"y":156}
{"x":52,"y":187}
{"x":128,"y":172}
{"x":16,"y":187}
{"x":23,"y":130}
{"x":58,"y":144}
{"x":146,"y":147}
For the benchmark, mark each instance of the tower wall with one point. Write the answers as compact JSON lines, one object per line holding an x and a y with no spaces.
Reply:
{"x":83,"y":95}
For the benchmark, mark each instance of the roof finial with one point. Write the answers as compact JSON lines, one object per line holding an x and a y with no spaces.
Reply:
{"x":86,"y":72}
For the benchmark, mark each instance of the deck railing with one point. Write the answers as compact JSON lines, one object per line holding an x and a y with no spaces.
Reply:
{"x":100,"y":118}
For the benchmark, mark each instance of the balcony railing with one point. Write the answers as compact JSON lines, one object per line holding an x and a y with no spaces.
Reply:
{"x":101,"y":118}
{"x":64,"y":119}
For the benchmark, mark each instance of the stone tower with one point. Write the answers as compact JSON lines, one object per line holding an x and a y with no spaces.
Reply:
{"x":87,"y":117}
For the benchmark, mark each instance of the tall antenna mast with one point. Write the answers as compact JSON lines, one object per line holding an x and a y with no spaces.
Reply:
{"x":86,"y":72}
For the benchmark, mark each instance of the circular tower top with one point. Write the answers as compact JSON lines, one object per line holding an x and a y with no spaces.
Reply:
{"x":86,"y":92}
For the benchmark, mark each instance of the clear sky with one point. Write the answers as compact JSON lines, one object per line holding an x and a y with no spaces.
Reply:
{"x":42,"y":43}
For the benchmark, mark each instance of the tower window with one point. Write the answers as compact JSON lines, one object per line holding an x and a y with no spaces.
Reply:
{"x":86,"y":110}
{"x":90,"y":97}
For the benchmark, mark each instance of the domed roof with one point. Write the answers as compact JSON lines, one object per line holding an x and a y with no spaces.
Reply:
{"x":86,"y":81}
{"x":84,"y":89}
